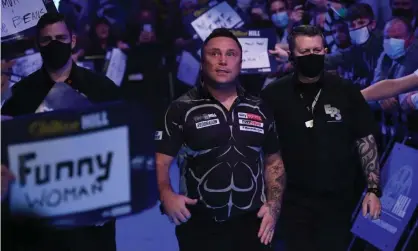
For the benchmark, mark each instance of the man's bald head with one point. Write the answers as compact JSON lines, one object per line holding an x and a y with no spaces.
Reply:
{"x":398,"y":28}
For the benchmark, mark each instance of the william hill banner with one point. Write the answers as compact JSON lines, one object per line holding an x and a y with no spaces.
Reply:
{"x":81,"y":167}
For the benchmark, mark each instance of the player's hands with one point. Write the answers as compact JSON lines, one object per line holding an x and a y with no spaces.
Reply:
{"x":6,"y":178}
{"x":175,"y":206}
{"x":371,"y":205}
{"x":268,"y":223}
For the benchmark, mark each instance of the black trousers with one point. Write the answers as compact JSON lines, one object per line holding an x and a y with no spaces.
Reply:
{"x":303,"y":228}
{"x":31,"y":236}
{"x":201,"y":233}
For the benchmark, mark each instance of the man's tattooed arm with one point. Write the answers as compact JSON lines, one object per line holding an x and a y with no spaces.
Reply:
{"x":275,"y":182}
{"x":367,"y":149}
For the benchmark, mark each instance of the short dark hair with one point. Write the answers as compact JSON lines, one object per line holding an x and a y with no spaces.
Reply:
{"x":222,"y":32}
{"x":51,"y":18}
{"x":303,"y":30}
{"x":403,"y":20}
{"x":359,"y":10}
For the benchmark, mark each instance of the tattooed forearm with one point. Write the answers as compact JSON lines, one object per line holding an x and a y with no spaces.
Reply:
{"x":275,"y":182}
{"x":367,"y":149}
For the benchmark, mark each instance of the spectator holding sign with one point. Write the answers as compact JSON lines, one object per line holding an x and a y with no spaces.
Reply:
{"x":231,"y":157}
{"x":55,"y":41}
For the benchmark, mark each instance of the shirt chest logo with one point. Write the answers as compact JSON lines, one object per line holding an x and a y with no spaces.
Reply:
{"x":251,"y":129}
{"x":250,"y":123}
{"x":333,"y":112}
{"x":244,"y":115}
{"x":204,"y":116}
{"x":207,"y":123}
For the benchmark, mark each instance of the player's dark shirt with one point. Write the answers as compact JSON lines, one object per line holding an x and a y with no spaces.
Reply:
{"x":222,"y":151}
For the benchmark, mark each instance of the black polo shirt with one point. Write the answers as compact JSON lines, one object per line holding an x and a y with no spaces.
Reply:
{"x":321,"y":160}
{"x":223,"y":150}
{"x":29,"y":93}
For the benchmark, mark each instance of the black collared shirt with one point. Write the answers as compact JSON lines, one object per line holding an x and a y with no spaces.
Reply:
{"x":29,"y":93}
{"x":321,"y":160}
{"x":223,"y":150}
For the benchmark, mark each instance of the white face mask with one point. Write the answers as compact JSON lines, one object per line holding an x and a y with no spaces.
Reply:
{"x":360,"y":36}
{"x":394,"y":47}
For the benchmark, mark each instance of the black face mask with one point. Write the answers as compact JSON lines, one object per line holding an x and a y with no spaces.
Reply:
{"x":310,"y":65}
{"x":403,"y":13}
{"x":55,"y":54}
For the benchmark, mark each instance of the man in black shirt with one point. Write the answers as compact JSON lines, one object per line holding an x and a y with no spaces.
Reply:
{"x":326,"y":131}
{"x":230,"y":158}
{"x":55,"y":41}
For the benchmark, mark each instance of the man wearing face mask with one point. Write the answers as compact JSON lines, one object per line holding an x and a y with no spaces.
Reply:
{"x":358,"y":62}
{"x":232,"y":174}
{"x":55,"y":41}
{"x":399,"y":59}
{"x":326,"y":130}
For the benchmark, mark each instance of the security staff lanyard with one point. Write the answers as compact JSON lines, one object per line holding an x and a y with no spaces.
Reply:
{"x":309,"y":124}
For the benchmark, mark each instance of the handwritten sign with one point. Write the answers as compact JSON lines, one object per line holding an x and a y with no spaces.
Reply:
{"x":20,"y":15}
{"x":116,"y":65}
{"x":255,"y":45}
{"x":26,"y":65}
{"x":81,"y":167}
{"x":399,"y":200}
{"x":188,"y":70}
{"x":220,"y":15}
{"x":254,"y":53}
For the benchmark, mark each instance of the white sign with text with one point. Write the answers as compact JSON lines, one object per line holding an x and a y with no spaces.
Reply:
{"x":72,"y":174}
{"x":20,"y":15}
{"x":117,"y":65}
{"x":221,"y":15}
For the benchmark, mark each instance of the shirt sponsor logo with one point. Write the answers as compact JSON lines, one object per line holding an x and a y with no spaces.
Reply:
{"x":207,"y":123}
{"x":251,"y":129}
{"x":205,"y":117}
{"x":251,"y":123}
{"x":252,"y":116}
{"x":158,"y":135}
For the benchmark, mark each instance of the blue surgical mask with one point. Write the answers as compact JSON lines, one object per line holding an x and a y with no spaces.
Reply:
{"x":359,"y":36}
{"x":280,"y":19}
{"x":394,"y":47}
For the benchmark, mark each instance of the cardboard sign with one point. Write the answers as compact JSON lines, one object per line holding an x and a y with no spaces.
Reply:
{"x":19,"y":16}
{"x":399,"y":201}
{"x":115,"y":65}
{"x":81,"y":167}
{"x":216,"y":16}
{"x":255,"y":45}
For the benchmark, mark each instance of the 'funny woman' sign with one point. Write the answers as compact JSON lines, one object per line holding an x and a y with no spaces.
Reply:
{"x":81,"y":167}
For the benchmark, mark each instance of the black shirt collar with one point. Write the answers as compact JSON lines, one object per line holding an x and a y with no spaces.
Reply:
{"x":303,"y":86}
{"x":204,"y":92}
{"x":72,"y":78}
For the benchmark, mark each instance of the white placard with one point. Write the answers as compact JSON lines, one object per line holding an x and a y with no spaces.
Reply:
{"x":254,"y":53}
{"x":46,"y":184}
{"x":188,"y":69}
{"x":20,"y":15}
{"x":27,"y":65}
{"x":117,"y":65}
{"x":221,"y":15}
